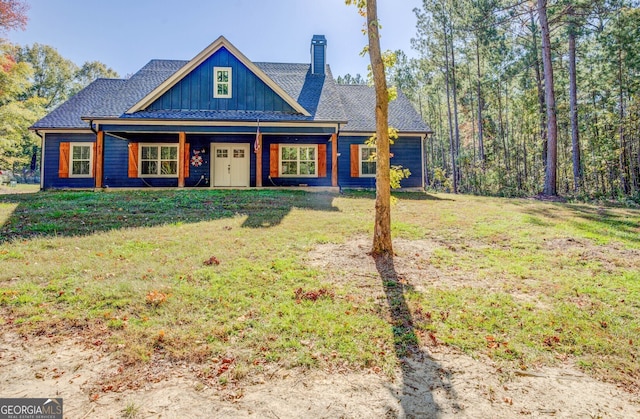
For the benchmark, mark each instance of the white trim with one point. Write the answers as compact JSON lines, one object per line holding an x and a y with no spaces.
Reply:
{"x":84,"y":144}
{"x":371,"y":134}
{"x":159,"y":160}
{"x":44,"y":135}
{"x":281,"y":146}
{"x":360,"y":161}
{"x":63,"y":131}
{"x":199,"y":59}
{"x":423,"y":159}
{"x":209,"y":123}
{"x":216,"y":83}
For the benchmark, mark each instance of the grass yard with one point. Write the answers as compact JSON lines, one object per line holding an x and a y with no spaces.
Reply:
{"x":218,"y":279}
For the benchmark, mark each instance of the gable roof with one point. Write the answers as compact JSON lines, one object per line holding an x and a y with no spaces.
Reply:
{"x":215,"y":46}
{"x":69,"y":113}
{"x":316,"y":93}
{"x":359,"y":103}
{"x":321,"y":97}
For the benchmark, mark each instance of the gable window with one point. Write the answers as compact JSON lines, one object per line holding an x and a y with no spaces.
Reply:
{"x":158,"y":160}
{"x":298,"y":160}
{"x":222,"y":82}
{"x":367,"y":161}
{"x":81,"y":160}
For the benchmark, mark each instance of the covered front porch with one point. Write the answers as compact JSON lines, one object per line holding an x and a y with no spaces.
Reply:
{"x":216,"y":157}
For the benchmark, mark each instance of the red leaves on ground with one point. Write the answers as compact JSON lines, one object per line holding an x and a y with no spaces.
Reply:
{"x":212,"y":261}
{"x":551,"y":341}
{"x":313,"y":295}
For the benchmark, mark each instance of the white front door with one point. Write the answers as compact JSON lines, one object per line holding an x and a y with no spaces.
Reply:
{"x":230,"y":164}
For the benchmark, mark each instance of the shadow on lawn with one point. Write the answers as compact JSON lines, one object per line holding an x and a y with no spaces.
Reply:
{"x":612,"y":223}
{"x":421,"y":374}
{"x":77,"y":213}
{"x":402,"y":195}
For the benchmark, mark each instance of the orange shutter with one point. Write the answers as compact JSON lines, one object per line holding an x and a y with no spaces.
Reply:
{"x":133,"y":159}
{"x":355,"y":161}
{"x":274,"y":150}
{"x":63,"y":165}
{"x":187,"y":159}
{"x":322,"y":160}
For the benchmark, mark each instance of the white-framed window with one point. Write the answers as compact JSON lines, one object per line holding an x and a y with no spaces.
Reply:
{"x":222,"y":82}
{"x":158,"y":160}
{"x":81,"y":160}
{"x":367,"y":160}
{"x":299,"y":160}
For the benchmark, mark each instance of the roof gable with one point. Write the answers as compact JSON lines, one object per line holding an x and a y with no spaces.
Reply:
{"x":219,"y":51}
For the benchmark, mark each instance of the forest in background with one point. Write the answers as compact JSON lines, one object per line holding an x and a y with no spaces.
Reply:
{"x":34,"y":80}
{"x":482,"y":85}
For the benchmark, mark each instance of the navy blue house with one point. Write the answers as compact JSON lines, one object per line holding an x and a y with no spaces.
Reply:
{"x":221,"y":120}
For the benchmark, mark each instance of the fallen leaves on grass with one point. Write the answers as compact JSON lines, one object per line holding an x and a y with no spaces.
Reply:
{"x":156,"y":297}
{"x":493,"y":343}
{"x":212,"y":261}
{"x":551,"y":341}
{"x":313,"y":295}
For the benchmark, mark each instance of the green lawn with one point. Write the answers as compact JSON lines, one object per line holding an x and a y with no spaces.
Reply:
{"x":200,"y":275}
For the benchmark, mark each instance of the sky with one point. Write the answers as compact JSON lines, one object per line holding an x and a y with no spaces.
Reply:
{"x":126,"y":34}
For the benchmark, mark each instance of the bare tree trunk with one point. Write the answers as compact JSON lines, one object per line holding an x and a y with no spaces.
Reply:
{"x":573,"y":109}
{"x":455,"y":108}
{"x":382,"y":227}
{"x":452,"y":145}
{"x":505,"y":135}
{"x":479,"y":88}
{"x":541,"y":105}
{"x":624,"y":180}
{"x":550,"y":179}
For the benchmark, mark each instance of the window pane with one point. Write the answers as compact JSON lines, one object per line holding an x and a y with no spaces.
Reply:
{"x":169,"y":167}
{"x":80,"y":152}
{"x":368,"y":153}
{"x":289,"y":168}
{"x":238,"y":153}
{"x":222,"y":153}
{"x":80,"y":167}
{"x":223,"y":89}
{"x":308,"y":168}
{"x":149,"y":168}
{"x":149,"y":153}
{"x":223,"y":76}
{"x":169,"y":153}
{"x":289,"y":153}
{"x":368,"y":168}
{"x":307,"y":153}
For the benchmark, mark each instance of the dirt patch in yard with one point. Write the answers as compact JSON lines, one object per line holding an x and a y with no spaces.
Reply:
{"x":434,"y":381}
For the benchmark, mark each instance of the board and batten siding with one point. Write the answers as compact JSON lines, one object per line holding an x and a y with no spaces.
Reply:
{"x":195,"y":91}
{"x":407,"y":152}
{"x":52,"y":161}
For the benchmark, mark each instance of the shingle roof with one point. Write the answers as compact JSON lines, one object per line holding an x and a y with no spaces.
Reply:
{"x":359,"y":102}
{"x":136,"y":87}
{"x":68,"y":114}
{"x":316,"y":93}
{"x":319,"y":95}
